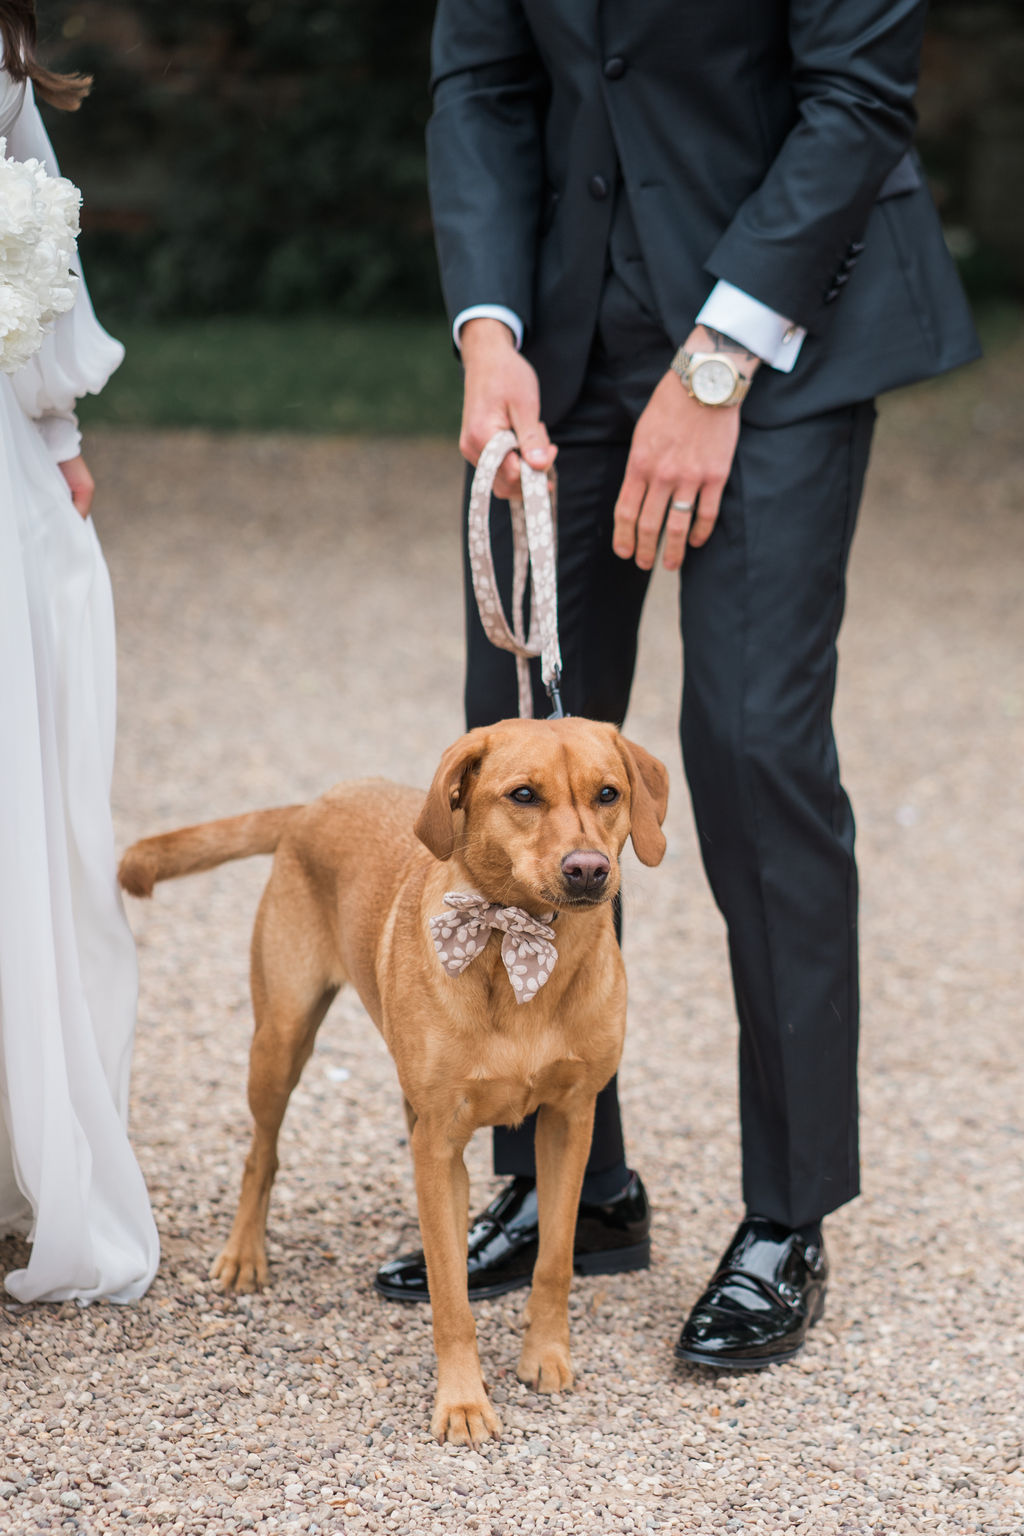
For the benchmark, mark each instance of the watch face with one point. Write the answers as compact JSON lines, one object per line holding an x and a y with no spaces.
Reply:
{"x":713,"y":381}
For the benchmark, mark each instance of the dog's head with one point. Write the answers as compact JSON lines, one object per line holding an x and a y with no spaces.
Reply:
{"x":539,"y":810}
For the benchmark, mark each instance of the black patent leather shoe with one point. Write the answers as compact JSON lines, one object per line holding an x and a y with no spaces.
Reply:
{"x":610,"y":1238}
{"x":767,"y":1292}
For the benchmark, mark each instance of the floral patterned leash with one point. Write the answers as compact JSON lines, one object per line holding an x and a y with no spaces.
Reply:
{"x":533,"y":553}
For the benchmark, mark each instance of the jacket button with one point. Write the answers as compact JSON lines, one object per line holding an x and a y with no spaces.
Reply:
{"x":614,"y":69}
{"x":855,"y":247}
{"x":830,"y":294}
{"x":598,"y":188}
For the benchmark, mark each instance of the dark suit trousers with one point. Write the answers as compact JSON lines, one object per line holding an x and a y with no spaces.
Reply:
{"x":760,"y":608}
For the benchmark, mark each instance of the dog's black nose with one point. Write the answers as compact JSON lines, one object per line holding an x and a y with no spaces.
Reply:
{"x":585,"y":871}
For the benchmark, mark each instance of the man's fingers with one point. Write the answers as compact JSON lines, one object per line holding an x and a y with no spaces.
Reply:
{"x":539,"y":452}
{"x":648,"y":526}
{"x":534,"y":443}
{"x":627,"y":510}
{"x":507,"y":482}
{"x":677,"y":527}
{"x":474,"y":437}
{"x":707,"y":512}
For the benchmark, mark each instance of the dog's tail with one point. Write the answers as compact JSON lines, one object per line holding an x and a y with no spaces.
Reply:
{"x":204,"y":847}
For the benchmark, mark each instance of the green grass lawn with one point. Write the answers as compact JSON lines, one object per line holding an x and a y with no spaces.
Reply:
{"x":303,"y":375}
{"x":314,"y":374}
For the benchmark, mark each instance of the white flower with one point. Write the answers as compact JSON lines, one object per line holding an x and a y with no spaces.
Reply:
{"x":38,"y":229}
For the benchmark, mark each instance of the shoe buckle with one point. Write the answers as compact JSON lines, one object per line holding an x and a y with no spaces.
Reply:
{"x":789,"y":1293}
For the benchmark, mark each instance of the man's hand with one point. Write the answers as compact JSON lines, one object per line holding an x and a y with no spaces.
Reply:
{"x":500,"y":391}
{"x":80,"y":483}
{"x":682,"y":451}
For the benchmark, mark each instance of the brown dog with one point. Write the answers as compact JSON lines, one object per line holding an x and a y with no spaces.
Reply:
{"x":529,"y":815}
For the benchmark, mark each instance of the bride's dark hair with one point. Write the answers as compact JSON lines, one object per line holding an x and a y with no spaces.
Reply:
{"x":18,"y":35}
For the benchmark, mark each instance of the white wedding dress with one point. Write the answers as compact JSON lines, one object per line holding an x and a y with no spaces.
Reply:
{"x":68,"y":1176}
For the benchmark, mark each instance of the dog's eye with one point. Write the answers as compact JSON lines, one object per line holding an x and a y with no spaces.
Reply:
{"x":524,"y":795}
{"x":608,"y":795}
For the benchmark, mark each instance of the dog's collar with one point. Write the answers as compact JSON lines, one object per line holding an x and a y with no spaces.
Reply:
{"x":527,"y":947}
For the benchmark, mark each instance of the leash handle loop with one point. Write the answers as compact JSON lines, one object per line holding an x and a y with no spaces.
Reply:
{"x":533,"y":556}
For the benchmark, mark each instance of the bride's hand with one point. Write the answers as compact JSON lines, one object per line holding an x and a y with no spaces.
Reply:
{"x":80,"y":484}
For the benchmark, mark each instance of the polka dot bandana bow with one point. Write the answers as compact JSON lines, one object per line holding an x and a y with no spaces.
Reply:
{"x":526,"y":949}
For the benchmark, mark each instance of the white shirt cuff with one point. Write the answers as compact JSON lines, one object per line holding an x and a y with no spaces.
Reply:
{"x":770,"y":336}
{"x":489,"y":312}
{"x":59,"y":431}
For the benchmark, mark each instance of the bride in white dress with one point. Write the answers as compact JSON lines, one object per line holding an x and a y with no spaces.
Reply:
{"x":68,"y":1176}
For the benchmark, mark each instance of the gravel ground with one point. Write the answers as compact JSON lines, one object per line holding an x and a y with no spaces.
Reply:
{"x":289,"y":616}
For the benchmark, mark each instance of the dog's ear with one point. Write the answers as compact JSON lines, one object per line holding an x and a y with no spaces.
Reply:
{"x":435,"y":825}
{"x":648,"y":796}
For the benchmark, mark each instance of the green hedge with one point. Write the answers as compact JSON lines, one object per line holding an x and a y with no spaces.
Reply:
{"x":266,"y":156}
{"x":263,"y":156}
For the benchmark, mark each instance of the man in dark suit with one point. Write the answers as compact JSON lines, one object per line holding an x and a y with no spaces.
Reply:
{"x":684,"y":246}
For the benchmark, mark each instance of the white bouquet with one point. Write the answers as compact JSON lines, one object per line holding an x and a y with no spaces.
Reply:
{"x":38,"y":230}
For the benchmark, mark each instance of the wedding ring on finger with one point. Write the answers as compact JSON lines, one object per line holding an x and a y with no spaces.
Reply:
{"x":682,"y":506}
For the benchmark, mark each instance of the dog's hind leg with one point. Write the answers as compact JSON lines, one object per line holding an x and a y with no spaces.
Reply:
{"x":292,"y":989}
{"x":562,"y":1145}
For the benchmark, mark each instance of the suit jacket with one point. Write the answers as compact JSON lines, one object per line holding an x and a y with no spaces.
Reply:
{"x":767,"y":144}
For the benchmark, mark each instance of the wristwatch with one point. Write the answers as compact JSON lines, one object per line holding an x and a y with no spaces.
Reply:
{"x":712,"y":378}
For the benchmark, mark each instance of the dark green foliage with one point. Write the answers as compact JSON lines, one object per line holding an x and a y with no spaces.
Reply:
{"x":263,"y":156}
{"x":266,"y":156}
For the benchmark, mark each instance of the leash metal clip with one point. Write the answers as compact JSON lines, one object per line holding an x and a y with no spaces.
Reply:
{"x":554,"y":693}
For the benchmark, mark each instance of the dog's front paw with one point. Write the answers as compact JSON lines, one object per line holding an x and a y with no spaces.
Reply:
{"x":240,"y":1268}
{"x":466,"y":1423}
{"x":545,"y":1367}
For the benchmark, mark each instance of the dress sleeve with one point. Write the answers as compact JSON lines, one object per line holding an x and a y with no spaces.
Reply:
{"x":77,"y":356}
